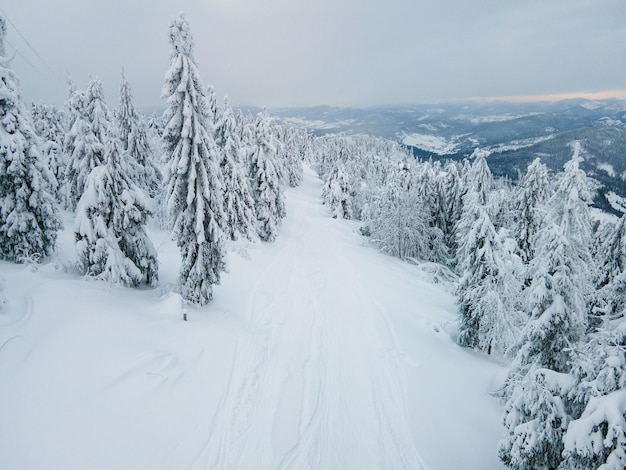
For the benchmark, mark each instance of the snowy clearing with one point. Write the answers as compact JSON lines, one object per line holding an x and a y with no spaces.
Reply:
{"x":519,"y":144}
{"x":608,"y":169}
{"x":430,"y":143}
{"x":495,"y":118}
{"x":318,"y":352}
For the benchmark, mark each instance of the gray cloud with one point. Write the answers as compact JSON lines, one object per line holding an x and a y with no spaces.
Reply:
{"x":340,"y":52}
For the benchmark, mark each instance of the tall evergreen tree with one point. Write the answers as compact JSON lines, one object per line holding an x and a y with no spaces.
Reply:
{"x":87,"y":140}
{"x":557,"y":299}
{"x":292,"y":152}
{"x":238,"y":202}
{"x":337,"y":194}
{"x":194,"y":189}
{"x":136,"y":144}
{"x":532,"y":194}
{"x":49,"y":122}
{"x":610,"y":297}
{"x":265,"y":181}
{"x":479,"y":177}
{"x":451,"y":191}
{"x":111,"y":242}
{"x":397,"y":219}
{"x":477,"y":184}
{"x":28,"y":216}
{"x":489,"y":289}
{"x":596,"y":438}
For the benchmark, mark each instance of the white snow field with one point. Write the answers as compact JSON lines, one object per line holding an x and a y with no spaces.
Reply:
{"x":317,"y":352}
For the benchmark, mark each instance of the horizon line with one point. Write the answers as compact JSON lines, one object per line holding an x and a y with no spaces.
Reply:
{"x":552,"y":97}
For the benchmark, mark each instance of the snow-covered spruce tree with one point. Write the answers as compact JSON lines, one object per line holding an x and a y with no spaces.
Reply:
{"x":561,"y":273}
{"x":477,"y":184}
{"x":532,"y":194}
{"x":75,"y":113}
{"x":502,"y":204}
{"x":610,"y":297}
{"x":111,"y":242}
{"x":193,"y":186}
{"x":86,"y":140}
{"x":136,"y":144}
{"x":597,"y":437}
{"x":337,"y":194}
{"x":49,"y":122}
{"x":536,"y":417}
{"x":489,"y":288}
{"x":558,"y":321}
{"x":479,"y":177}
{"x":432,"y":200}
{"x":292,"y":153}
{"x":28,"y":216}
{"x":397,"y":221}
{"x":448,"y":213}
{"x":238,"y":202}
{"x":265,"y":181}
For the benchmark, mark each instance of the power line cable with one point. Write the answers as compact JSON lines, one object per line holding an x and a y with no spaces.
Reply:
{"x":41,"y":74}
{"x":29,"y":45}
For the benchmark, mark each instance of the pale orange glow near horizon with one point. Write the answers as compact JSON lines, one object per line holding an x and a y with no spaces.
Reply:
{"x":597,"y":95}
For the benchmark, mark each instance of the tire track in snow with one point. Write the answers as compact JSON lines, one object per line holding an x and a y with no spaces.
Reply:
{"x":350,"y":361}
{"x":241,"y":432}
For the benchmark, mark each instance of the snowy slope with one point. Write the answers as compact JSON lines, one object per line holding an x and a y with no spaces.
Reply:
{"x":317,"y":352}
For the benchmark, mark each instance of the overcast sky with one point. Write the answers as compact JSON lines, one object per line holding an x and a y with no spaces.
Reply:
{"x":280,"y":53}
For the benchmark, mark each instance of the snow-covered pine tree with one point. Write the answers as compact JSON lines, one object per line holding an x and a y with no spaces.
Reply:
{"x":479,"y":177}
{"x":431,"y":201}
{"x":126,"y":112}
{"x":49,"y":122}
{"x":397,"y":220}
{"x":536,"y":418}
{"x":338,"y":194}
{"x":193,"y":186}
{"x":111,"y":242}
{"x":561,"y":274}
{"x":265,"y":181}
{"x":489,"y":288}
{"x":596,"y":438}
{"x":292,"y":151}
{"x":610,"y":297}
{"x":451,"y":191}
{"x":477,"y":185}
{"x":74,"y":111}
{"x":136,"y":144}
{"x":86,"y":140}
{"x":532,"y":194}
{"x":28,"y":214}
{"x":238,"y":202}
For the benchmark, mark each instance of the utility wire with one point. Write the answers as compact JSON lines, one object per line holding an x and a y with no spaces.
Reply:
{"x":29,"y":45}
{"x":17,"y":52}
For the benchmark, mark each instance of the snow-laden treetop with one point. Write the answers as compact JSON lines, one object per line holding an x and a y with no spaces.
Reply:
{"x":181,"y":38}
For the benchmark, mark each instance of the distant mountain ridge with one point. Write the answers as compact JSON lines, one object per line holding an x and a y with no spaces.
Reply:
{"x":513,"y":133}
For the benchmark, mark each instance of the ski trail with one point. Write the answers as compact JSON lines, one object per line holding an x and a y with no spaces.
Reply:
{"x":316,"y":378}
{"x":354,"y":408}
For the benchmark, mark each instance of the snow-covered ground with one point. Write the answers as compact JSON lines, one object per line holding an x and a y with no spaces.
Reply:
{"x":318,"y":352}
